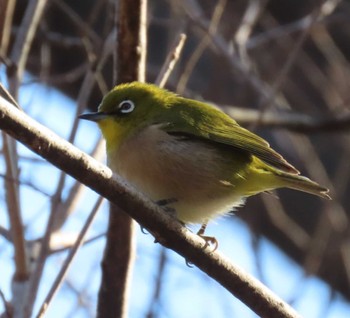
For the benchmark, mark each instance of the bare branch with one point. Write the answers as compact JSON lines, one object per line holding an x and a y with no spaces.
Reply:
{"x":8,"y":308}
{"x":5,"y":233}
{"x":171,"y":60}
{"x":83,"y":27}
{"x":129,"y":65}
{"x":213,"y":26}
{"x":14,"y":211}
{"x":318,"y":12}
{"x":64,"y":269}
{"x":6,"y":15}
{"x":289,"y":120}
{"x":250,"y":18}
{"x":23,"y":42}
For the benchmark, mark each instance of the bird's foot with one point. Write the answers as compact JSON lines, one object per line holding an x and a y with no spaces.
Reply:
{"x":164,"y":204}
{"x":209,"y":240}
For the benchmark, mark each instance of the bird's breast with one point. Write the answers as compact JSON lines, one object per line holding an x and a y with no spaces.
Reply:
{"x":164,"y":166}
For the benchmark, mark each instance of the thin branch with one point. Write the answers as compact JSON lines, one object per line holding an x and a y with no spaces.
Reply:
{"x":281,"y":220}
{"x":295,"y":26}
{"x":64,"y":269}
{"x":24,"y":41}
{"x":19,"y":56}
{"x":7,"y":306}
{"x":86,"y":242}
{"x":159,"y":284}
{"x":14,"y":210}
{"x":289,"y":120}
{"x":5,"y":234}
{"x":6,"y":15}
{"x":167,"y":231}
{"x":67,"y":207}
{"x":172,"y":58}
{"x":5,"y":93}
{"x":76,"y":19}
{"x":249,"y":20}
{"x":55,"y":203}
{"x":197,"y":53}
{"x":266,"y":102}
{"x":25,"y":183}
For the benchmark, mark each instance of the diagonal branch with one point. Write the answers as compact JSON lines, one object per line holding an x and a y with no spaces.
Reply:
{"x":65,"y":267}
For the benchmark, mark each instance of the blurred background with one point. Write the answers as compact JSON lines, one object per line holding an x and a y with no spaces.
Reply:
{"x":279,"y":67}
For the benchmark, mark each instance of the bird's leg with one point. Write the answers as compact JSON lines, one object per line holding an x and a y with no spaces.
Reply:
{"x":163,"y":204}
{"x":209,"y":240}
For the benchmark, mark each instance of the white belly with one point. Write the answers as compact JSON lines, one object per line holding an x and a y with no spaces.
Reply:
{"x":164,"y":167}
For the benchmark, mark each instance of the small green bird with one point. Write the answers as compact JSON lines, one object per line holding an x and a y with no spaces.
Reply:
{"x":188,"y":153}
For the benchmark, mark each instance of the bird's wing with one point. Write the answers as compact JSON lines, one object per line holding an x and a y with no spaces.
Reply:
{"x":215,"y":126}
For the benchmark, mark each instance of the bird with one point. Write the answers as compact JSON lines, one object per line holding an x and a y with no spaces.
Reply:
{"x":188,"y":155}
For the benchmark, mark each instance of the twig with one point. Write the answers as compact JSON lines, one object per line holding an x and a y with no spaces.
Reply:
{"x":171,"y":60}
{"x":304,"y":148}
{"x":66,"y":208}
{"x":14,"y":210}
{"x":212,"y":28}
{"x":7,"y":306}
{"x":24,"y":41}
{"x":266,"y":102}
{"x":5,"y":233}
{"x":83,"y":27}
{"x":159,"y":284}
{"x":55,"y":203}
{"x":250,"y":18}
{"x":64,"y":269}
{"x":289,"y":120}
{"x":192,"y":9}
{"x":25,"y":183}
{"x":19,"y":56}
{"x":169,"y":233}
{"x":5,"y":93}
{"x":13,"y":206}
{"x":86,"y":242}
{"x":295,"y":26}
{"x":6,"y":16}
{"x":83,"y":301}
{"x":282,"y":221}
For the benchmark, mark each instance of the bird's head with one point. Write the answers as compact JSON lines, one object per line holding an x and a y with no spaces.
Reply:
{"x":127,"y":108}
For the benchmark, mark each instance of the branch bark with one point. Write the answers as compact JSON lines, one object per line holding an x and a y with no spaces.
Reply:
{"x":119,"y":253}
{"x":165,"y":229}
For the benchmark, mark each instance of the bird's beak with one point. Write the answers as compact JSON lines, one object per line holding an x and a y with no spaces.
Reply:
{"x":94,"y":116}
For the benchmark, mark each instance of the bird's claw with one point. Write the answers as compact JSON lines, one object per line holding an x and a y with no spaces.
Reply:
{"x":210,"y":241}
{"x":143,"y":230}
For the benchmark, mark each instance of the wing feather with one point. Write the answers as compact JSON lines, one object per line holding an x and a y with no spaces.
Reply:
{"x":217,"y":127}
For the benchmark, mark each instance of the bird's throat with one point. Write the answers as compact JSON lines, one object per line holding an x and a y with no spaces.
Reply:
{"x":113,"y":133}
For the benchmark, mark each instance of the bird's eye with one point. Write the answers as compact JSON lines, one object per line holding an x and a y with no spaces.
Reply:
{"x":126,"y":106}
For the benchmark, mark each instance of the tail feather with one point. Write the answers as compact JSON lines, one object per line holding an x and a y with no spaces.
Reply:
{"x":304,"y":184}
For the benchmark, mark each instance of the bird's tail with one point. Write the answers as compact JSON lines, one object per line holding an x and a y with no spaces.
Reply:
{"x":302,"y":183}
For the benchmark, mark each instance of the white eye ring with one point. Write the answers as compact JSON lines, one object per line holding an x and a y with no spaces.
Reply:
{"x":126,"y":106}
